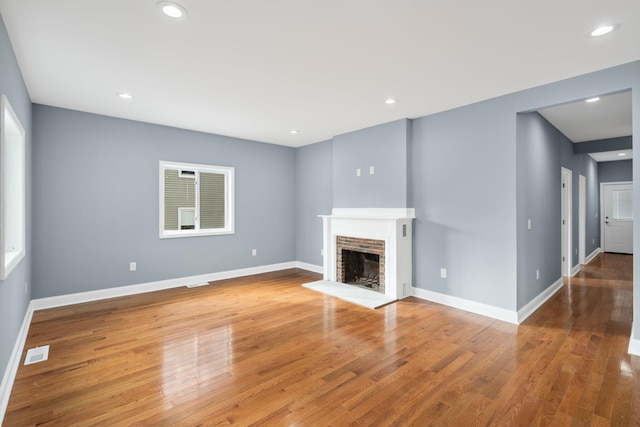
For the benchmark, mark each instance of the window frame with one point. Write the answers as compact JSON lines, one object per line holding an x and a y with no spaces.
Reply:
{"x":13,"y":187}
{"x":229,"y":197}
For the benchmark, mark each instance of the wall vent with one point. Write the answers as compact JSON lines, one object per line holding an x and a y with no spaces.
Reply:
{"x":38,"y":354}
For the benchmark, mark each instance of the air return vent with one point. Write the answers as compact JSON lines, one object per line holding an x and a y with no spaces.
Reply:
{"x":38,"y":354}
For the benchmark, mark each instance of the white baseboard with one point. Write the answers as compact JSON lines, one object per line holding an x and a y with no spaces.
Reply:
{"x":466,"y":305}
{"x":634,"y":344}
{"x":310,"y":267}
{"x":537,"y":302}
{"x":592,"y":255}
{"x":575,"y":270}
{"x":120,"y":291}
{"x":14,"y":361}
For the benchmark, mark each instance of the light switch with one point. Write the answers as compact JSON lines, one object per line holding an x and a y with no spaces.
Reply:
{"x":358,"y":172}
{"x":371,"y":170}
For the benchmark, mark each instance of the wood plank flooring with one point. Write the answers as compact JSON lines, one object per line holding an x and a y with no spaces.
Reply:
{"x":263,"y":350}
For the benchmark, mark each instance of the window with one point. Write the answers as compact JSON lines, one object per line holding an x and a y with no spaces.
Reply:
{"x":12,"y":189}
{"x":196,"y":200}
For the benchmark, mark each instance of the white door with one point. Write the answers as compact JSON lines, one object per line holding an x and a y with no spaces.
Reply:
{"x":618,"y":217}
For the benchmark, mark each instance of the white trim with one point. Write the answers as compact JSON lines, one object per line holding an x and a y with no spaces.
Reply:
{"x":634,"y":344}
{"x":582,"y":218}
{"x":120,"y":291}
{"x":576,"y":269}
{"x":567,"y":178}
{"x":380,"y":213}
{"x":539,"y":300}
{"x":467,"y":305}
{"x":310,"y":267}
{"x":592,"y":255}
{"x":14,"y":362}
{"x":12,"y":175}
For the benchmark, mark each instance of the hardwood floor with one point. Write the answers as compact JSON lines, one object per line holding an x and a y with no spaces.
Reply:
{"x":263,"y":350}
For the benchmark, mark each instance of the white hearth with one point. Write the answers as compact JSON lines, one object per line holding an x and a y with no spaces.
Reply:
{"x":391,"y":225}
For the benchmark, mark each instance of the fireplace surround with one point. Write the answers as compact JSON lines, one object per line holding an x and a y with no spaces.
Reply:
{"x":387,"y":230}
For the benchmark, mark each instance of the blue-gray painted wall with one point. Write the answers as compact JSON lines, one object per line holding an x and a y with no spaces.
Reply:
{"x":13,"y":300}
{"x":601,"y":145}
{"x":385,"y":148}
{"x":542,"y":150}
{"x":620,"y":170}
{"x":96,"y":203}
{"x":314,"y":196}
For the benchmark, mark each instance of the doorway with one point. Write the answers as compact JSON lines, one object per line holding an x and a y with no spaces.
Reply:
{"x":616,"y":205}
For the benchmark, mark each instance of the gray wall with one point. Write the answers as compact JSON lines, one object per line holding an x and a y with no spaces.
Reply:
{"x":96,"y":203}
{"x":13,"y":300}
{"x":601,"y":145}
{"x":385,"y":148}
{"x":314,"y":196}
{"x":542,"y":150}
{"x":539,"y":147}
{"x":621,"y":170}
{"x":462,"y":174}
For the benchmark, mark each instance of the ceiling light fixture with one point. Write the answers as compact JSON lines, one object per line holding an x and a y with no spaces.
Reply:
{"x":172,"y":10}
{"x":390,"y":101}
{"x":293,"y":131}
{"x":622,"y":154}
{"x":601,"y":31}
{"x":595,"y":99}
{"x":125,"y":95}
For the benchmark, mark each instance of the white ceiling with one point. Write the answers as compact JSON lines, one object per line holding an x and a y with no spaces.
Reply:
{"x":257,"y":69}
{"x":581,"y":121}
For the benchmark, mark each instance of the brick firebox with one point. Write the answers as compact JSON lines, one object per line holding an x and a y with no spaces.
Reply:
{"x":369,"y":246}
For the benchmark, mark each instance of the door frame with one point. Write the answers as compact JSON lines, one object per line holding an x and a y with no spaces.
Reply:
{"x":566,"y":213}
{"x":582,"y":219}
{"x":601,"y":197}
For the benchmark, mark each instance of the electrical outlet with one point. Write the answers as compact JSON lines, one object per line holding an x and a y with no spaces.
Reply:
{"x":133,"y":266}
{"x":537,"y":274}
{"x":371,"y":170}
{"x":528,"y":224}
{"x":358,"y":172}
{"x":443,"y":273}
{"x":254,"y":252}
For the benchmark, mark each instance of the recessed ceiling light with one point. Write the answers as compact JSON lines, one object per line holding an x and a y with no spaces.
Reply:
{"x":293,"y":131}
{"x":622,"y":154}
{"x":595,"y":99}
{"x":125,"y":95}
{"x":390,"y":101}
{"x":601,"y":31}
{"x":172,"y":10}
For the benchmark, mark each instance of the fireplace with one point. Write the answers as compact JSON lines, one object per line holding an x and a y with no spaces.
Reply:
{"x":360,"y":262}
{"x":384,"y":233}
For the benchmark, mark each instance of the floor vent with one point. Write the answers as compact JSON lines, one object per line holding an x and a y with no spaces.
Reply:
{"x":195,"y":285}
{"x":38,"y":354}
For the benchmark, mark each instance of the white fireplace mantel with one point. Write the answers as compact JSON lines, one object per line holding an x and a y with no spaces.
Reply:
{"x":392,"y":225}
